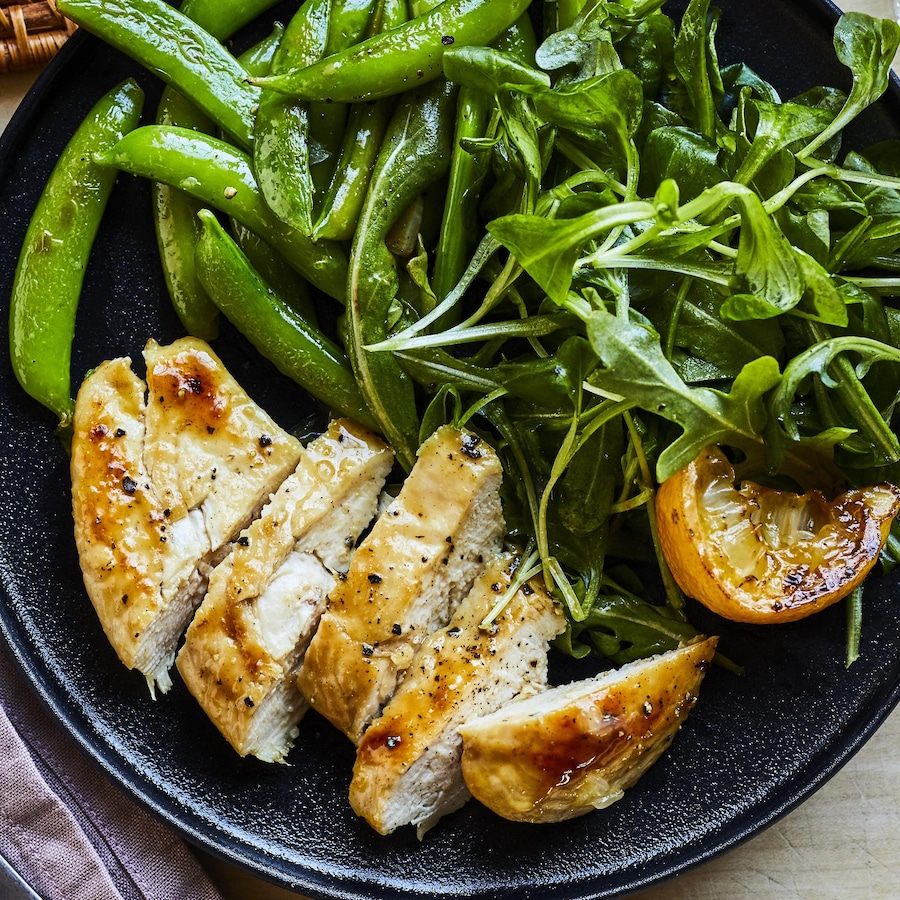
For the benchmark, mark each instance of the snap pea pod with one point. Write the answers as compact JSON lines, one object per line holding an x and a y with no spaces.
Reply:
{"x":458,"y":225}
{"x":350,"y":20}
{"x":297,"y":350}
{"x":222,"y":177}
{"x":415,"y":153}
{"x":459,"y":230}
{"x":223,"y":18}
{"x":178,"y":229}
{"x":175,"y":212}
{"x":365,"y":130}
{"x":281,"y":147}
{"x":272,"y":268}
{"x":402,"y":58}
{"x":50,"y":271}
{"x":182,"y":53}
{"x":267,"y":261}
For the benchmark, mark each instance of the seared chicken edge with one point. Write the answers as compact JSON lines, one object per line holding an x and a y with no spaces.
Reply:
{"x":578,"y":747}
{"x":164,"y":475}
{"x":264,"y":601}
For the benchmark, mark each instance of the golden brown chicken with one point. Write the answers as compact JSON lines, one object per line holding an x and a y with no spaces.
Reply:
{"x":575,"y":748}
{"x":265,"y":599}
{"x":406,"y":579}
{"x":407,"y":767}
{"x":165,"y":474}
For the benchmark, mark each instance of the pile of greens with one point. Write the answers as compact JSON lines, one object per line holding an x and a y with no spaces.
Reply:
{"x":672,"y":255}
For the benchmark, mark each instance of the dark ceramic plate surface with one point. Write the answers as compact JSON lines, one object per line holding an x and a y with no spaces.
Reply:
{"x":755,"y":746}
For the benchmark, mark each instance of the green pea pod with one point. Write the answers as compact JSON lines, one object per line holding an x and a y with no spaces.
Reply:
{"x":182,"y":53}
{"x":458,"y":227}
{"x":365,"y":129}
{"x":258,"y":59}
{"x":281,"y":148}
{"x":275,"y":272}
{"x":402,"y":58}
{"x":222,"y":177}
{"x":416,"y":152}
{"x":177,"y":229}
{"x":54,"y":255}
{"x":222,"y":18}
{"x":297,"y":350}
{"x":350,"y":21}
{"x":267,"y":261}
{"x":174,"y":211}
{"x":459,"y":231}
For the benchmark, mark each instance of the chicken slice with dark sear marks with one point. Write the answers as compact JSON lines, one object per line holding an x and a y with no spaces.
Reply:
{"x":164,"y":475}
{"x":578,"y":747}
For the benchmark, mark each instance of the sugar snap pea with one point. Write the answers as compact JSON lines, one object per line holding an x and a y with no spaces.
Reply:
{"x":223,"y":18}
{"x":222,"y":176}
{"x":174,"y":211}
{"x":350,"y":21}
{"x":415,"y":153}
{"x":366,"y":125}
{"x":458,"y":232}
{"x":274,"y":270}
{"x":302,"y":353}
{"x":177,"y":49}
{"x":402,"y":58}
{"x":177,"y":229}
{"x":50,"y":271}
{"x":281,"y":147}
{"x":267,"y":261}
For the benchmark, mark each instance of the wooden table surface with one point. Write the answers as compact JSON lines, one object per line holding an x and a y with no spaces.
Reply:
{"x":843,"y":842}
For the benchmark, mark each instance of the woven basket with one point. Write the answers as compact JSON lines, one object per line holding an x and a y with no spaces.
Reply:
{"x":31,"y":31}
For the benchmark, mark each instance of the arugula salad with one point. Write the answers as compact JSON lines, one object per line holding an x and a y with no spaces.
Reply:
{"x":686,"y":258}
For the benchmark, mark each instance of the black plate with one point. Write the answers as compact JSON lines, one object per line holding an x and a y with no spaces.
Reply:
{"x":753,"y":749}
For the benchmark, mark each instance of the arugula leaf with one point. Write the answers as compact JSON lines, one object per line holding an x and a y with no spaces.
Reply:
{"x":697,"y":66}
{"x":623,"y":627}
{"x":766,"y":259}
{"x":867,"y":46}
{"x":634,"y":367}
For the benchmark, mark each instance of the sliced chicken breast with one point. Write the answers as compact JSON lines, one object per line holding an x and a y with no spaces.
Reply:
{"x":245,"y":643}
{"x":164,"y":475}
{"x":407,"y":767}
{"x":578,"y":747}
{"x":406,"y":579}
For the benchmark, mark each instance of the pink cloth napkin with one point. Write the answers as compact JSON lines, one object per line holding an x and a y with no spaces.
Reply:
{"x":68,"y":831}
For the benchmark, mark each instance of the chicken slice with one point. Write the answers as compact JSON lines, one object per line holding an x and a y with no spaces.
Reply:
{"x":406,"y":579}
{"x":407,"y":767}
{"x":242,"y":650}
{"x":578,"y":747}
{"x":164,"y":474}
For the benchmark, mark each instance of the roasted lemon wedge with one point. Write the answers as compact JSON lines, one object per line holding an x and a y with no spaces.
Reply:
{"x":757,"y":554}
